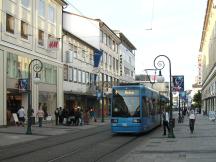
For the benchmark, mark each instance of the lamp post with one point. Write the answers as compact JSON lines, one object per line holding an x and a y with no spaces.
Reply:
{"x":159,"y":64}
{"x":37,"y":67}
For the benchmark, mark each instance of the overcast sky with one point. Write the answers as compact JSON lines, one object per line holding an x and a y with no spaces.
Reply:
{"x":155,"y":27}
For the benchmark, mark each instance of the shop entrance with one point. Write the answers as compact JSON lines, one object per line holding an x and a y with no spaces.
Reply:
{"x":14,"y":102}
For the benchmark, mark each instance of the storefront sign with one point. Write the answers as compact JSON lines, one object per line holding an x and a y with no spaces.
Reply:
{"x":23,"y":84}
{"x":53,"y":44}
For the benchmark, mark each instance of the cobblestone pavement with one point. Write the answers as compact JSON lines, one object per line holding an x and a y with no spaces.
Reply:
{"x":186,"y":147}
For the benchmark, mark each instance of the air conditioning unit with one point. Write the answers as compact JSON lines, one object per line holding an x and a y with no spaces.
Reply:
{"x":69,"y":56}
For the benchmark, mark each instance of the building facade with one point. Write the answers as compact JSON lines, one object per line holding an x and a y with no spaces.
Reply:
{"x":126,"y":59}
{"x":79,"y":84}
{"x":26,"y":28}
{"x":208,"y":50}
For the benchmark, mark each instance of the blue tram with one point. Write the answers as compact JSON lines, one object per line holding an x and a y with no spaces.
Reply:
{"x":135,"y":108}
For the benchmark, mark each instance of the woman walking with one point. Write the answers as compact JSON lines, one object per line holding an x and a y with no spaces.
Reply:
{"x":192,"y":119}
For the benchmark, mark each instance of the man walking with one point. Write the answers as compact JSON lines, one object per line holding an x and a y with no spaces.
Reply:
{"x":165,"y":121}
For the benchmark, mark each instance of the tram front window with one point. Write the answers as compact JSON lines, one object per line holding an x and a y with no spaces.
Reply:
{"x":125,"y":106}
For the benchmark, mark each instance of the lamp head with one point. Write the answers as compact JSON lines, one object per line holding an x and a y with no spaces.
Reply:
{"x":36,"y":79}
{"x":160,"y":78}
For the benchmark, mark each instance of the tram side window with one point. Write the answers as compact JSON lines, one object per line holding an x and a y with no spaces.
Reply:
{"x":151,"y":110}
{"x":145,"y":108}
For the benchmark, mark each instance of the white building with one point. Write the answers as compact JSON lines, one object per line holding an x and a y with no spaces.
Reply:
{"x":26,"y":26}
{"x":79,"y":86}
{"x":97,"y":34}
{"x":208,"y":50}
{"x":127,"y":58}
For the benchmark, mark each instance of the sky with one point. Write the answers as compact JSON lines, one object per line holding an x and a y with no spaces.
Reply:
{"x":155,"y":27}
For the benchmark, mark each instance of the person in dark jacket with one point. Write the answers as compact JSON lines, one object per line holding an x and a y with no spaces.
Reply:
{"x":57,"y":116}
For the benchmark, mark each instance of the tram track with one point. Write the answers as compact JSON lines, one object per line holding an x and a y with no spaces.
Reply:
{"x":97,"y":158}
{"x":45,"y":146}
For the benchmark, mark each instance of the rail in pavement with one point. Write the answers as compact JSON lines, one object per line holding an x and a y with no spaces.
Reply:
{"x":16,"y":134}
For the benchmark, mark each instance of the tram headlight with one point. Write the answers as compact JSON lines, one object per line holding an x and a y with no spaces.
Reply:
{"x":114,"y":120}
{"x":136,"y":120}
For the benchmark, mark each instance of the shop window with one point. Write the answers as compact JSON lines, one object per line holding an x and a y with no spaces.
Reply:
{"x":41,"y":37}
{"x":10,"y":23}
{"x":24,"y":30}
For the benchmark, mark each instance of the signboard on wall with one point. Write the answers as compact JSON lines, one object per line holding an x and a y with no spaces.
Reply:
{"x":53,"y":44}
{"x":23,"y":85}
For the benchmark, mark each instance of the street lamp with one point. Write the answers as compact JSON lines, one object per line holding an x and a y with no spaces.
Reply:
{"x":159,"y":78}
{"x":159,"y":64}
{"x":37,"y":67}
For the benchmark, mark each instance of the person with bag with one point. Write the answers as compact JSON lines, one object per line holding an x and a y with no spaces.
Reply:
{"x":192,"y":119}
{"x":165,"y":116}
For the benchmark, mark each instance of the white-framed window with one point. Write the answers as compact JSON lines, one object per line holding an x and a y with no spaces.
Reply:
{"x":65,"y":73}
{"x":41,"y":8}
{"x":25,"y":3}
{"x":41,"y":37}
{"x":24,"y":30}
{"x":70,"y":74}
{"x":83,"y":77}
{"x":75,"y":50}
{"x":75,"y":75}
{"x":10,"y":21}
{"x":101,"y":36}
{"x":79,"y":76}
{"x":87,"y":77}
{"x":51,"y":14}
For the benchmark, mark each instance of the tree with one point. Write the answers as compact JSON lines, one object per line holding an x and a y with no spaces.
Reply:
{"x":197,"y":99}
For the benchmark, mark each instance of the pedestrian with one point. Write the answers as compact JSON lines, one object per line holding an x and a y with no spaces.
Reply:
{"x":44,"y":108}
{"x":165,"y":116}
{"x":40,"y":115}
{"x":21,"y":115}
{"x":192,"y":119}
{"x":57,"y":116}
{"x":61,"y":116}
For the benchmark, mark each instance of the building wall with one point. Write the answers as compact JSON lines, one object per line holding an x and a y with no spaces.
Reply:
{"x":208,"y":49}
{"x":19,"y":37}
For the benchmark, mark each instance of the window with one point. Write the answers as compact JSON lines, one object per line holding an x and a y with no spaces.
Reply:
{"x":24,"y":30}
{"x":25,"y":3}
{"x":75,"y":51}
{"x":42,"y":8}
{"x":51,"y":13}
{"x":101,"y":36}
{"x":65,"y":72}
{"x":79,"y":76}
{"x":87,"y":77}
{"x":41,"y":37}
{"x":70,"y":74}
{"x":10,"y":23}
{"x":83,"y":77}
{"x":75,"y":75}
